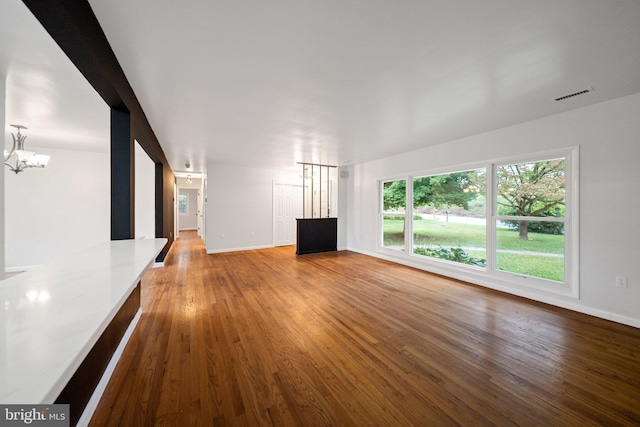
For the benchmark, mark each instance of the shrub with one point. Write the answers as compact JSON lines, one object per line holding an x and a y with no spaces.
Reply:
{"x":451,"y":254}
{"x":399,"y":218}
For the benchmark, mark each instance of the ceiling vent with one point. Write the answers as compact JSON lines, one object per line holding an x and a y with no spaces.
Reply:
{"x":571,"y":95}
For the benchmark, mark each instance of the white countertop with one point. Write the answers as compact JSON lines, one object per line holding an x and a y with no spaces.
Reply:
{"x":51,"y":317}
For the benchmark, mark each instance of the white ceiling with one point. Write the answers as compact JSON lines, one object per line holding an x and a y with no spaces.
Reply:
{"x":44,"y":91}
{"x":268,"y":84}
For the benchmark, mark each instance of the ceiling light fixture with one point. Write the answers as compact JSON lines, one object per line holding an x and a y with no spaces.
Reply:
{"x":23,"y":159}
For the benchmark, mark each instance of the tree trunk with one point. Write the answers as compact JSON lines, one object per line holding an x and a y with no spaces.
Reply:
{"x":523,"y":230}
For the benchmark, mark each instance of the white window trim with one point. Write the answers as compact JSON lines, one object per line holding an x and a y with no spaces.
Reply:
{"x":382,"y":213}
{"x":491,"y":277}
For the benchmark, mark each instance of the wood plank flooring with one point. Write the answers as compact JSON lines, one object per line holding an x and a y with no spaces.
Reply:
{"x":265,"y":338}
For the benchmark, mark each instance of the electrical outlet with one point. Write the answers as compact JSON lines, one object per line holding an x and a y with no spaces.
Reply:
{"x":622,"y":282}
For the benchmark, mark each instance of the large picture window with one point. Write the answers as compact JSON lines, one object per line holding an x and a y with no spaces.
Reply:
{"x":449,"y":217}
{"x":515,"y":220}
{"x":530,"y":205}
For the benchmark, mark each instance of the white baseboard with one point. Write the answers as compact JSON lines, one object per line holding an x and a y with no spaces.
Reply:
{"x":546,"y":298}
{"x":102,"y":385}
{"x":249,"y":248}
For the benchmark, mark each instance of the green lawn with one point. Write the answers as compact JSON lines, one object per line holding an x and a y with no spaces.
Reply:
{"x":430,"y":233}
{"x":550,"y":268}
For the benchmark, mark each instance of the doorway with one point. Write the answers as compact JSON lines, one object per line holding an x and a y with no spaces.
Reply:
{"x":190,"y":204}
{"x":287,"y":206}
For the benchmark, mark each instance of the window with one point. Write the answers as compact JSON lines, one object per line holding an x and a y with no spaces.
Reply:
{"x":394,"y":199}
{"x":449,"y":217}
{"x":514,"y":220}
{"x":183,"y":204}
{"x":530,"y":217}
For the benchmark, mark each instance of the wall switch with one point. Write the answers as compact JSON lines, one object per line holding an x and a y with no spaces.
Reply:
{"x":622,"y":282}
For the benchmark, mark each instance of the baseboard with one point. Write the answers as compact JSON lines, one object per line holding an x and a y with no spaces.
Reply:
{"x":630,"y":321}
{"x":85,"y":418}
{"x":158,"y":264}
{"x":248,"y":248}
{"x":546,"y":299}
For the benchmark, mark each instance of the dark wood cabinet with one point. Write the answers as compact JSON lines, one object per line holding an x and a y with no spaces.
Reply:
{"x":316,"y":235}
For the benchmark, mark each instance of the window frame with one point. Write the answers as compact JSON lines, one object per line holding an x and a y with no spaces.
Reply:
{"x":411,"y":244}
{"x":382,"y":213}
{"x":491,"y":276}
{"x":570,"y":285}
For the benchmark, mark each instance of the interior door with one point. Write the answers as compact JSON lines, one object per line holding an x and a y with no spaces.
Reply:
{"x":284,"y":220}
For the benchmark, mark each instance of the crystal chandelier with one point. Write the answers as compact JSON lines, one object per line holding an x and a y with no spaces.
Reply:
{"x":23,"y":159}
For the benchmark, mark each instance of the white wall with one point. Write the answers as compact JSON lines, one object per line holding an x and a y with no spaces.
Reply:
{"x":58,"y":210}
{"x":145,"y":194}
{"x":344,"y":194}
{"x":240,"y":207}
{"x":3,"y":85}
{"x":609,"y":138}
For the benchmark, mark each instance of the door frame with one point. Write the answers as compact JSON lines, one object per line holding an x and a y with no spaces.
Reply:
{"x":273,"y":210}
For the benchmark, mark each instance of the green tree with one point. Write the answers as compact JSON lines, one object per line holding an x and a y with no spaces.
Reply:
{"x":453,"y":189}
{"x":394,"y":195}
{"x":531,"y":189}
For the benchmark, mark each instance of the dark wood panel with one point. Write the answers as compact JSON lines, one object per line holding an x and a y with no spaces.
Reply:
{"x":269,"y":338}
{"x":81,"y":386}
{"x":316,"y":235}
{"x":122,"y":176}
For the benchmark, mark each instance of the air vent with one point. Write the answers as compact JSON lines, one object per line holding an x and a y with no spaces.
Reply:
{"x":571,"y":95}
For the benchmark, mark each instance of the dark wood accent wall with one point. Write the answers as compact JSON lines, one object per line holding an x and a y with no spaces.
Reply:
{"x":74,"y":27}
{"x":122,"y":176}
{"x":165,"y":195}
{"x":316,"y":235}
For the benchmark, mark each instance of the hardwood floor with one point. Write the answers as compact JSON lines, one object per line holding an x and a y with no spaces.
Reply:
{"x":268,"y":338}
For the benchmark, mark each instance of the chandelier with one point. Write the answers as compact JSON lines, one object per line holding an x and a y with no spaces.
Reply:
{"x":23,"y":159}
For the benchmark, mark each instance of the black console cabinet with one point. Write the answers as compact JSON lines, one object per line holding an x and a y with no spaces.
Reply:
{"x":316,"y":235}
